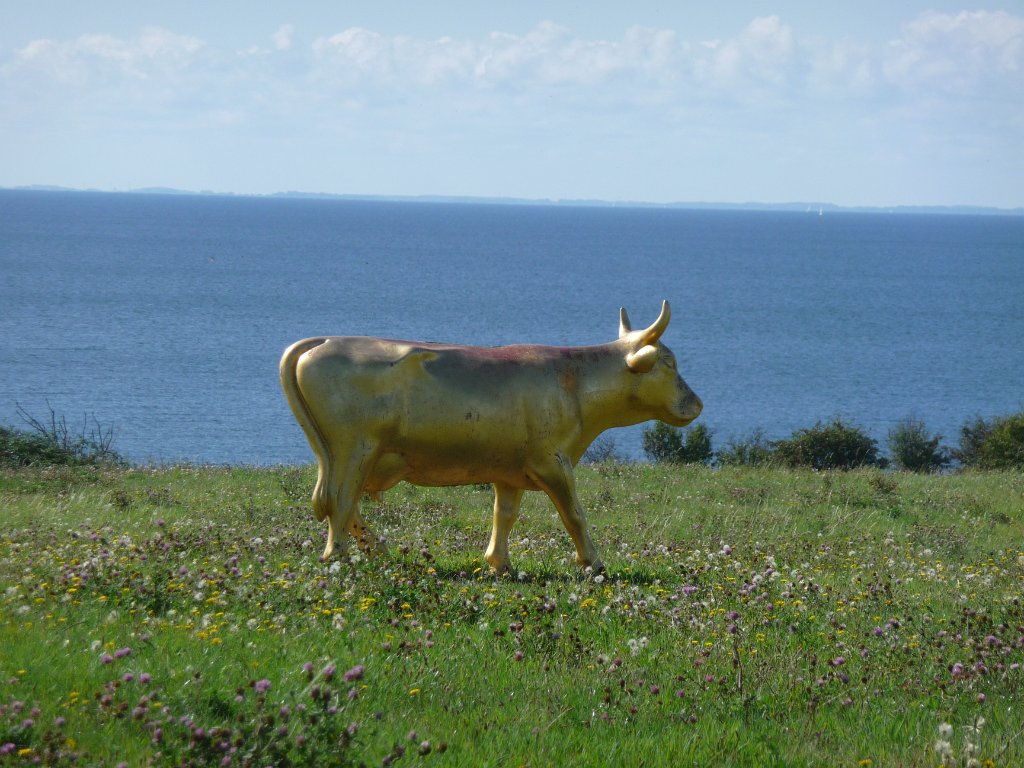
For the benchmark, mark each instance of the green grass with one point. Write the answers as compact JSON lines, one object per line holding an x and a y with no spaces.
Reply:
{"x":748,"y":617}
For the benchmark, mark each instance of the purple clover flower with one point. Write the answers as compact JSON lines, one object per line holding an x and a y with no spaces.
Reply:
{"x":356,"y":673}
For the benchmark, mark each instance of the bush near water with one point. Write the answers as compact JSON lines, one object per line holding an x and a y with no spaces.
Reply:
{"x":751,"y":615}
{"x":838,"y":445}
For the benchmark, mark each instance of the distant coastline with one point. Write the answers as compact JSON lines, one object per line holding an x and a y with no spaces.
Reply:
{"x":817,"y":208}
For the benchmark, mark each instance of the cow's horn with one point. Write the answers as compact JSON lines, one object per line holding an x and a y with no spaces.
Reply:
{"x":624,"y":326}
{"x":652,"y":334}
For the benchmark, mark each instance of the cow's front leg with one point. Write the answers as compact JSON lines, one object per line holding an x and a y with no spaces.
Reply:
{"x":557,"y":480}
{"x":506,"y":512}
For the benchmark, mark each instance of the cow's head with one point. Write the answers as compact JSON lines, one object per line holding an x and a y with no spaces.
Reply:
{"x":658,"y":386}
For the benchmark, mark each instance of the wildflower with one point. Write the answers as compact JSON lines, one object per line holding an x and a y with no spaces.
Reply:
{"x":944,"y":750}
{"x":120,"y":653}
{"x":946,"y":731}
{"x":518,"y":656}
{"x":424,"y":747}
{"x":262,"y":686}
{"x":356,"y":673}
{"x":144,"y":677}
{"x":957,"y":670}
{"x":328,"y":672}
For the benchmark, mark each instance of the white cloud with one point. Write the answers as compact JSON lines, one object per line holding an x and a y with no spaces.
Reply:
{"x":283,"y":37}
{"x":153,"y":51}
{"x":547,"y":55}
{"x":958,"y":52}
{"x":762,"y":55}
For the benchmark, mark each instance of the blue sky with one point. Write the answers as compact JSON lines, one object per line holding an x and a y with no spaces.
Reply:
{"x":857,"y":103}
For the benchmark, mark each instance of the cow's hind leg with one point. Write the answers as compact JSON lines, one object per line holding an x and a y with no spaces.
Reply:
{"x":353,"y":468}
{"x":364,"y":536}
{"x":506,"y":512}
{"x":557,"y":480}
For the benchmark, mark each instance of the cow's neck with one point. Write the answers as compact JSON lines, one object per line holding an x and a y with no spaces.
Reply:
{"x":606,"y":393}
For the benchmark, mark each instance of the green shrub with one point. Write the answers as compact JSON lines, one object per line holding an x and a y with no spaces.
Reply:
{"x":603,"y":450}
{"x":828,"y":446}
{"x":663,"y":443}
{"x":753,"y":451}
{"x":54,"y":443}
{"x":1003,"y":447}
{"x":972,"y":436}
{"x":915,"y":449}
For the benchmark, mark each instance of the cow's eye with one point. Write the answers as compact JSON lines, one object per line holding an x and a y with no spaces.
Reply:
{"x":670,"y":362}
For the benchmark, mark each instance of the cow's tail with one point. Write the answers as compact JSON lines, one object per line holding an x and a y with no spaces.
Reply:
{"x":322,"y":497}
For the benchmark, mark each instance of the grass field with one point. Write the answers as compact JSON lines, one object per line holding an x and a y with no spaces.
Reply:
{"x":747,"y":617}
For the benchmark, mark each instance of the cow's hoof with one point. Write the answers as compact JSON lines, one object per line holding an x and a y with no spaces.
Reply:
{"x":501,"y":569}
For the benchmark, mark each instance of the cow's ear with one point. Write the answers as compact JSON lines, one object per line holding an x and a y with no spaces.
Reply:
{"x":624,"y":325}
{"x":642,"y":360}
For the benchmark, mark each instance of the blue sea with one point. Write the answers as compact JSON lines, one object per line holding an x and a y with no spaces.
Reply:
{"x":164,"y":316}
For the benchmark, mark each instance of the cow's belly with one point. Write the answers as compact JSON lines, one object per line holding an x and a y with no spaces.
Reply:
{"x":439,"y":470}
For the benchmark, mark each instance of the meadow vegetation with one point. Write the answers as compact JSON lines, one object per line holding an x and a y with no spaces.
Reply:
{"x":750,"y":615}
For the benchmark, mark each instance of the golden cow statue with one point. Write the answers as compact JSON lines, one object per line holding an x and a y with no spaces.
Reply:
{"x":379,"y":411}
